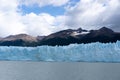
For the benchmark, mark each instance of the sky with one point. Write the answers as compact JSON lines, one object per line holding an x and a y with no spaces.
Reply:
{"x":43,"y":17}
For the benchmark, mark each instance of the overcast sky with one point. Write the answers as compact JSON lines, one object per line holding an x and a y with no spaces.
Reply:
{"x":42,"y":17}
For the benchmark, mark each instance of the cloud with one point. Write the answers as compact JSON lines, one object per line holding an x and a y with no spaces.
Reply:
{"x":42,"y":3}
{"x":91,"y":14}
{"x":41,"y":24}
{"x":88,"y":14}
{"x":9,"y":18}
{"x":13,"y":22}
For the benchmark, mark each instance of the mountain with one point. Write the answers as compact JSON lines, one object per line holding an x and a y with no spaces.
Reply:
{"x":64,"y":37}
{"x":23,"y":37}
{"x":18,"y":40}
{"x":39,"y":37}
{"x":70,"y":36}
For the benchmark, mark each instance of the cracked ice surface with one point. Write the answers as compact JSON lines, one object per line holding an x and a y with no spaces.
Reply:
{"x":93,"y":52}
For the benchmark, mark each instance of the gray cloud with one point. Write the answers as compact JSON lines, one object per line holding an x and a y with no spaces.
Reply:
{"x":91,"y":14}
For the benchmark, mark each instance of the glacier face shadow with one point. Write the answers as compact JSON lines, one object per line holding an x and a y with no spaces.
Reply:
{"x":93,"y":52}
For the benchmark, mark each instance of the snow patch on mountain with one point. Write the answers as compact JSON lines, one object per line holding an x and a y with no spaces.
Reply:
{"x":75,"y":33}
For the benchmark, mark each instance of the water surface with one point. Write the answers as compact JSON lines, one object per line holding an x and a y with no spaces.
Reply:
{"x":16,"y":70}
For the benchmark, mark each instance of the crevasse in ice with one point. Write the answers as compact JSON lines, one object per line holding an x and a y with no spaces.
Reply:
{"x":93,"y":52}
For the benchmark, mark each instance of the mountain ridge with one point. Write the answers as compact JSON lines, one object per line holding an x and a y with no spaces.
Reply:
{"x":64,"y":37}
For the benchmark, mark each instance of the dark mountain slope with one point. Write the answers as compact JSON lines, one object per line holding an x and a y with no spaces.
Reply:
{"x":67,"y":37}
{"x":64,"y":37}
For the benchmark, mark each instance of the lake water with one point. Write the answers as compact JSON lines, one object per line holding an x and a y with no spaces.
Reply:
{"x":18,"y":70}
{"x":93,"y":52}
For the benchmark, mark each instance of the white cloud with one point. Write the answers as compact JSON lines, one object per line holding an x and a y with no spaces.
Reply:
{"x":87,"y":14}
{"x":42,"y":3}
{"x":9,"y":18}
{"x":91,"y":14}
{"x":13,"y":22}
{"x":41,"y":24}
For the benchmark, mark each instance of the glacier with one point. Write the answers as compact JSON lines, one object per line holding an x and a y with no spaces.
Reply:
{"x":92,"y":52}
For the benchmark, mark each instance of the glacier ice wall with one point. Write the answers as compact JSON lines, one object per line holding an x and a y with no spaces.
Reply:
{"x":93,"y":52}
